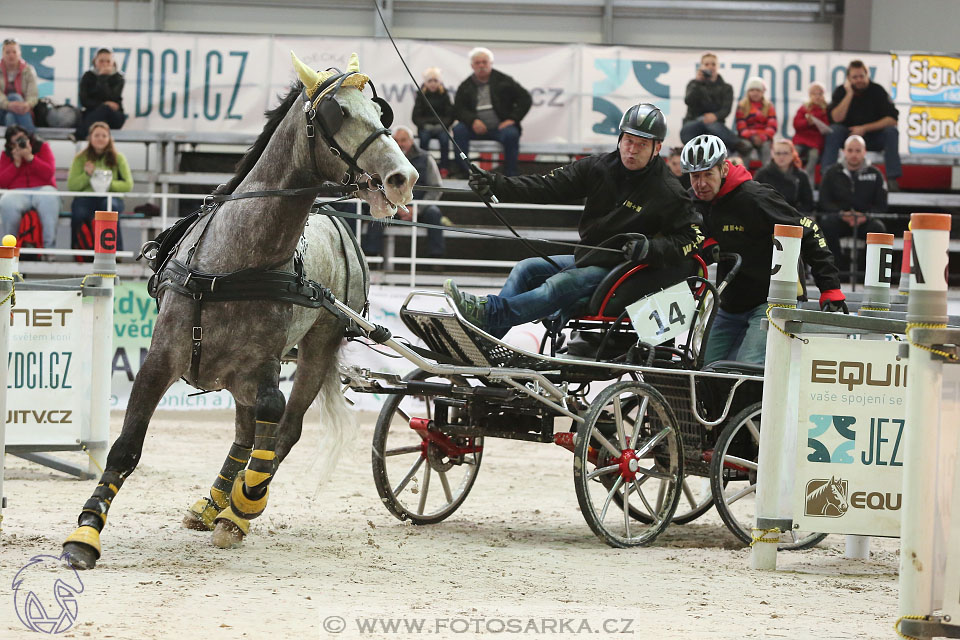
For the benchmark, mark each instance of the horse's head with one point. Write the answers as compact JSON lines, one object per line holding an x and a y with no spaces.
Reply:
{"x":837,"y":494}
{"x":353,"y":129}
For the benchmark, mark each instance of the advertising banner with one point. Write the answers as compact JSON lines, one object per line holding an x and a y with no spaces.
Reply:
{"x":48,"y":364}
{"x":926,"y":89}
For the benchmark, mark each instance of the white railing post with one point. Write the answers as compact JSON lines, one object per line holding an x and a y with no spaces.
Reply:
{"x":6,"y":291}
{"x":413,"y":247}
{"x":879,"y":272}
{"x":904,"y":288}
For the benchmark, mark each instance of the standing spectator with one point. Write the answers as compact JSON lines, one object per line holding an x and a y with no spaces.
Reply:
{"x":756,"y":120}
{"x":426,"y":166}
{"x":101,"y":94}
{"x":676,"y":167}
{"x":709,"y":100}
{"x":849,"y":190}
{"x":810,"y":125}
{"x":18,"y":88}
{"x":100,"y":155}
{"x":426,"y":123}
{"x":27,"y":163}
{"x":490,"y":106}
{"x":863,"y":108}
{"x":784,"y":174}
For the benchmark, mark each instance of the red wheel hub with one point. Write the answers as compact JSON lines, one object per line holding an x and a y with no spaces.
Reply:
{"x":629,"y":463}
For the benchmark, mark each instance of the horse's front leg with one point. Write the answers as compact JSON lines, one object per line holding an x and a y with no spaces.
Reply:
{"x":248,"y":497}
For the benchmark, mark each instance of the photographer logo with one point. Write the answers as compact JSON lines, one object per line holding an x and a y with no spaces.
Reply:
{"x":45,"y":594}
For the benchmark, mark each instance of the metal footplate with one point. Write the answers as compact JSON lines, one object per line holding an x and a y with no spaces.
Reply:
{"x":930,"y":627}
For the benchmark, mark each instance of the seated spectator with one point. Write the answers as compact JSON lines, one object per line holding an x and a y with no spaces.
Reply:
{"x":426,"y":123}
{"x":756,"y":121}
{"x":27,"y":162}
{"x":709,"y":100}
{"x":18,"y":88}
{"x":100,"y":155}
{"x":490,"y":105}
{"x":810,"y":125}
{"x":736,"y":161}
{"x":850,"y":190}
{"x":863,"y":108}
{"x":426,"y":166}
{"x":783,"y":173}
{"x":676,"y":167}
{"x":101,"y":94}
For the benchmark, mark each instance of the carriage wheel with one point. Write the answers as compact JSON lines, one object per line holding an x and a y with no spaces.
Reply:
{"x":734,"y":465}
{"x":422,"y":476}
{"x":629,"y":438}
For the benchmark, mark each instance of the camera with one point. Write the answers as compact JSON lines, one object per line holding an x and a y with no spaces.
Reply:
{"x":22,"y":143}
{"x":707,"y":73}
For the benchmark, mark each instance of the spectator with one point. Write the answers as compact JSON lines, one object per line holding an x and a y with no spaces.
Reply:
{"x":489,"y":106}
{"x":101,"y":94}
{"x":100,"y":155}
{"x":756,"y":120}
{"x":784,"y":174}
{"x":426,"y":123}
{"x":863,"y":108}
{"x":810,"y":125}
{"x":676,"y":167}
{"x":709,"y":100}
{"x":426,"y":166}
{"x":18,"y":88}
{"x":736,"y":161}
{"x":27,"y":163}
{"x":848,"y":191}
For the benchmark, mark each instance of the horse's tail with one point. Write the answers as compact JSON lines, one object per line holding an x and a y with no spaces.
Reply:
{"x":338,"y":424}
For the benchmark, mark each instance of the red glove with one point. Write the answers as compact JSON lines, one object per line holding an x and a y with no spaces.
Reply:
{"x":833,"y":300}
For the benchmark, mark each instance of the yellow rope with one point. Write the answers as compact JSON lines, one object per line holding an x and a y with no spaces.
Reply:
{"x":93,"y":275}
{"x":763,"y":532}
{"x":896,"y":626}
{"x":925,"y":325}
{"x":778,"y":327}
{"x":92,"y":459}
{"x":12,"y":296}
{"x":866,"y":308}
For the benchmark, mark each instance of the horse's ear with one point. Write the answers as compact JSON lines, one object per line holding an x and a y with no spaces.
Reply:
{"x":307,"y":76}
{"x":354,"y":64}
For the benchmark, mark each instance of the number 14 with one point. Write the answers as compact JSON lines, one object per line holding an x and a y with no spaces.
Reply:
{"x":676,"y":315}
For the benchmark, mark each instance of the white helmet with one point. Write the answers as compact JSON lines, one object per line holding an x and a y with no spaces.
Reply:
{"x":702,"y":153}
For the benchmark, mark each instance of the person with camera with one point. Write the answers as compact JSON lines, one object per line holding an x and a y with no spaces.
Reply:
{"x":709,"y":101}
{"x":27,"y":163}
{"x":18,"y":88}
{"x":101,"y":94}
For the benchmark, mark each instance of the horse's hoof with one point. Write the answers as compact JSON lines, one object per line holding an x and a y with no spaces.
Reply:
{"x":227,"y":535}
{"x":79,"y":555}
{"x":191,"y":521}
{"x":200,"y":516}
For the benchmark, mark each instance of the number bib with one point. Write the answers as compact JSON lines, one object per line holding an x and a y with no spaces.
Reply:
{"x":663,"y":315}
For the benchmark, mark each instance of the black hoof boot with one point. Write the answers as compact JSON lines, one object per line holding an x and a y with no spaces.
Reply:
{"x":80,"y":556}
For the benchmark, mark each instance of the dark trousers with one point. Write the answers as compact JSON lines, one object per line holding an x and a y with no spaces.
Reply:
{"x":694,"y":128}
{"x":886,"y":140}
{"x":834,"y":227}
{"x":509,"y":137}
{"x":372,"y":240}
{"x":102,"y":113}
{"x":82,"y":211}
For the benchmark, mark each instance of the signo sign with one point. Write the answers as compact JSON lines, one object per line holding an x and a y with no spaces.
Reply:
{"x":663,"y":315}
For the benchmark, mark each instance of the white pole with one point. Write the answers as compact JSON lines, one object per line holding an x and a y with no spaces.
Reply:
{"x":104,"y":265}
{"x":6,"y":287}
{"x":772,"y":475}
{"x":879,"y":273}
{"x":927,"y":305}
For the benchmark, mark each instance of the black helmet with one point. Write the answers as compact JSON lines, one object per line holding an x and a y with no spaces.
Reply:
{"x":644,"y":120}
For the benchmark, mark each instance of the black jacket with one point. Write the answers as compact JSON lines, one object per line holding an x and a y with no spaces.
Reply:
{"x":863,"y":190}
{"x":741,"y":219}
{"x":96,"y":89}
{"x":441,"y":103}
{"x":708,"y":97}
{"x":794,"y":185}
{"x":871,"y":105}
{"x":649,"y":201}
{"x":510,"y":100}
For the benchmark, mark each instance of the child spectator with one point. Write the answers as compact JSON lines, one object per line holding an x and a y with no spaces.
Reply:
{"x":101,"y":94}
{"x":676,"y":167}
{"x":18,"y":88}
{"x":426,"y":123}
{"x":27,"y":162}
{"x":756,"y":119}
{"x":783,"y":172}
{"x":810,"y":125}
{"x":100,"y":155}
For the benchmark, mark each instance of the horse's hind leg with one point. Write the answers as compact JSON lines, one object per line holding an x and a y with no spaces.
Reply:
{"x":248,"y":497}
{"x":202,"y":514}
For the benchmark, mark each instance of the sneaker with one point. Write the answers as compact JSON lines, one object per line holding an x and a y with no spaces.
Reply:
{"x":472,"y":308}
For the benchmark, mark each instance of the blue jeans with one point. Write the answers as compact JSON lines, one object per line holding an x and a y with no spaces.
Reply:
{"x":737,"y":336}
{"x":886,"y":140}
{"x":509,"y":137}
{"x":9,"y":118}
{"x":82,"y":211}
{"x":536,"y":289}
{"x":372,"y":240}
{"x":434,"y":132}
{"x":14,"y":204}
{"x":694,"y":128}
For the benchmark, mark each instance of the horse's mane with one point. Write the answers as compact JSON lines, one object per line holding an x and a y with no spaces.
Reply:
{"x":252,"y":156}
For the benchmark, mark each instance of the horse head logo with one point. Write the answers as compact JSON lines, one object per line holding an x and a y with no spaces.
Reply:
{"x":45,"y":594}
{"x":826,"y":498}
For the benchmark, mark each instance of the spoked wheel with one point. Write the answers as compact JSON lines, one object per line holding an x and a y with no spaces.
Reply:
{"x":422,"y":474}
{"x":629,"y":438}
{"x":734,"y":463}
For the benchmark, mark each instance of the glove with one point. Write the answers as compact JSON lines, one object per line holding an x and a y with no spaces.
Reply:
{"x":710,"y":251}
{"x":481,"y":182}
{"x":636,"y":248}
{"x":833,"y":301}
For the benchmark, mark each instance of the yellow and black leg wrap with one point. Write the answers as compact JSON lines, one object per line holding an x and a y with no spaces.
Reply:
{"x":206,"y":509}
{"x":93,"y":517}
{"x":86,"y":535}
{"x":242,"y":523}
{"x":250,"y":491}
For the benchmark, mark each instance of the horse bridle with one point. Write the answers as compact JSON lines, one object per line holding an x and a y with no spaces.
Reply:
{"x":328,"y":115}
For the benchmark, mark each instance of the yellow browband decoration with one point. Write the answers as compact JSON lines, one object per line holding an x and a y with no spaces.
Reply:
{"x":313,"y":79}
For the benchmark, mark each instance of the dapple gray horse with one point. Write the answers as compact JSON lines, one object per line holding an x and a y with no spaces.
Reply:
{"x":243,"y":341}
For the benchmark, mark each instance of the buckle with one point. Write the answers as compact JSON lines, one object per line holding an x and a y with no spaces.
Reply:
{"x":310,"y":131}
{"x":197,"y":334}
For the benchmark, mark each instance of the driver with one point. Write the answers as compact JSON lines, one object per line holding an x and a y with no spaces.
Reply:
{"x":633,"y":201}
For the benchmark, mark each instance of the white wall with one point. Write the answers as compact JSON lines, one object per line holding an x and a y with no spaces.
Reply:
{"x":924,"y":25}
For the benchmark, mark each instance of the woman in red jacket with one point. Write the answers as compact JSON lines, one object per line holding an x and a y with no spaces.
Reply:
{"x":810,"y":124}
{"x":27,"y":164}
{"x":756,"y":121}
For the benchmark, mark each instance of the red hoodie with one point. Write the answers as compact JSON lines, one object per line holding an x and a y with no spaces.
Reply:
{"x":736,"y":176}
{"x":39,"y":172}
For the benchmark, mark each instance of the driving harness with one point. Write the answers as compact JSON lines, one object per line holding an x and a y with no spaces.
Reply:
{"x":272,"y":282}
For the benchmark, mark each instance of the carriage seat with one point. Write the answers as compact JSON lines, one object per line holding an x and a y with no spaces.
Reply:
{"x":734,"y":366}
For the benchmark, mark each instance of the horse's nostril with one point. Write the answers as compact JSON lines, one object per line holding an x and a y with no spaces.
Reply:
{"x":397,"y":180}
